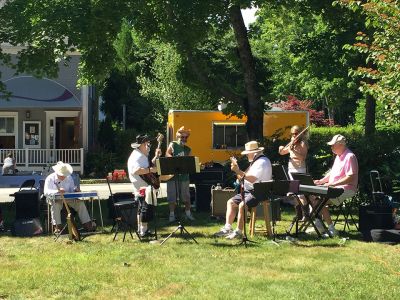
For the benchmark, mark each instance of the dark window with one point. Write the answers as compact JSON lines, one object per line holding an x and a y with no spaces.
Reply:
{"x":228,"y":136}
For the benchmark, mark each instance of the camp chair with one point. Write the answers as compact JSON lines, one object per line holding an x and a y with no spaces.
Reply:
{"x":122,"y":211}
{"x":345,"y":209}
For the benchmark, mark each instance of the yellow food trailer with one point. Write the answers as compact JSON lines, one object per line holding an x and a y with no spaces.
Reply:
{"x":215,"y":136}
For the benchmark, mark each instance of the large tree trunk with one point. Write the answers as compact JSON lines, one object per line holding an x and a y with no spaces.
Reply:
{"x":252,"y":104}
{"x":370,"y":107}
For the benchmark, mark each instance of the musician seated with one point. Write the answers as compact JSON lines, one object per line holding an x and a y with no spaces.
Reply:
{"x":344,"y":174}
{"x":260,"y":170}
{"x":60,"y":182}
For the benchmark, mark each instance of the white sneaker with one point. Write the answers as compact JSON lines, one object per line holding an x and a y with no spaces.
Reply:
{"x":223,"y":232}
{"x":172,"y":218}
{"x":332,"y":232}
{"x":234,"y":235}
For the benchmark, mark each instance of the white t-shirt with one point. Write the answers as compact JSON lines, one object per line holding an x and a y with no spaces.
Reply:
{"x":136,"y":161}
{"x":8,"y":162}
{"x":261,"y":169}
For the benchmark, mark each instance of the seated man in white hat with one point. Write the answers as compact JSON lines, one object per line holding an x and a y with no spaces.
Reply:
{"x":61,"y":182}
{"x":344,"y":174}
{"x":259,"y":170}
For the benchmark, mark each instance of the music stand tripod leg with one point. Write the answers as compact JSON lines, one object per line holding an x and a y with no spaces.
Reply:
{"x":155,"y":213}
{"x":180,"y":227}
{"x":244,"y":240}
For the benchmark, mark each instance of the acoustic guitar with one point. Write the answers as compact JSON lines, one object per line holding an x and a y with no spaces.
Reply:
{"x":73,"y":232}
{"x":152,"y":178}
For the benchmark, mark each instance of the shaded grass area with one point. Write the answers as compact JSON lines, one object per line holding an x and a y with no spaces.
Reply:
{"x":98,"y":268}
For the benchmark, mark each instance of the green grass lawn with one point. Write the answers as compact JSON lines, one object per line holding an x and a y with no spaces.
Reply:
{"x":98,"y":268}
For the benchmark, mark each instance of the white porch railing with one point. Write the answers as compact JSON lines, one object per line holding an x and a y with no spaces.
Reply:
{"x":39,"y":159}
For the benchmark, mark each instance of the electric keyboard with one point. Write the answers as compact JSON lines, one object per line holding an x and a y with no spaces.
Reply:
{"x":320,"y":190}
{"x":76,"y":195}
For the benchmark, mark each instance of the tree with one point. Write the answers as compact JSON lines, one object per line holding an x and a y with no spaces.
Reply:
{"x":316,"y":117}
{"x":50,"y":29}
{"x":303,"y":41}
{"x":380,"y":73}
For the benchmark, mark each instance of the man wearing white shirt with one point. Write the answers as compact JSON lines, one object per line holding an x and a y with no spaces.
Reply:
{"x":61,"y":182}
{"x":260,"y":170}
{"x":139,"y":167}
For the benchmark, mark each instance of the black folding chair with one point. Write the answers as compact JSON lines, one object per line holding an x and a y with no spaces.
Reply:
{"x":123,"y":212}
{"x":345,"y":210}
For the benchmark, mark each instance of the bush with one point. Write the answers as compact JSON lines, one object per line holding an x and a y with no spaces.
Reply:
{"x":380,"y":152}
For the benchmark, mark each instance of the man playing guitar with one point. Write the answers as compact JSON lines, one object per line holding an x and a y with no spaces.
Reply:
{"x":140,"y":169}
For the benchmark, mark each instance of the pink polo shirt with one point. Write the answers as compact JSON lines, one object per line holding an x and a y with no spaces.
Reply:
{"x":344,"y":165}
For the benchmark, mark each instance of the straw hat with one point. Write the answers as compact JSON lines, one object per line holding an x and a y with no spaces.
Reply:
{"x":140,"y":139}
{"x":252,"y":147}
{"x":62,"y":169}
{"x":183,"y":130}
{"x":337,"y":139}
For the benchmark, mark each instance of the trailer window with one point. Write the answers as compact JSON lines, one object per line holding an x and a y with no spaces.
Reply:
{"x":228,"y":136}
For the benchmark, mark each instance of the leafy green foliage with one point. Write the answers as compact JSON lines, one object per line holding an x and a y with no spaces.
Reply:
{"x":303,"y":42}
{"x":381,"y":43}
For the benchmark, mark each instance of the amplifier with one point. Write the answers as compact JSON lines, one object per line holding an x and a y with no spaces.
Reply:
{"x":218,"y":201}
{"x":207,"y":177}
{"x":375,"y":217}
{"x":27,"y":205}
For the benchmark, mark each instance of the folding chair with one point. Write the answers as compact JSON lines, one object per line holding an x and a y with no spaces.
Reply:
{"x":345,"y":209}
{"x":28,"y":184}
{"x":122,"y":212}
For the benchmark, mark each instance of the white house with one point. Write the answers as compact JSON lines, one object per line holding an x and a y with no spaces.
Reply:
{"x":46,"y":120}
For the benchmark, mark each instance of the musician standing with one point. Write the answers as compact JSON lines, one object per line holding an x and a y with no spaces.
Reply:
{"x":138,"y":168}
{"x":297,"y":150}
{"x":179,"y":148}
{"x":60,"y":182}
{"x":344,"y":174}
{"x":260,"y":170}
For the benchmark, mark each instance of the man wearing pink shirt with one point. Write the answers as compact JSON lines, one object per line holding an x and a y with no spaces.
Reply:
{"x":344,"y":174}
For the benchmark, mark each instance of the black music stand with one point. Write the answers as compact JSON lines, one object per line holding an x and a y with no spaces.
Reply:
{"x":244,"y":240}
{"x":275,"y":189}
{"x":175,"y":166}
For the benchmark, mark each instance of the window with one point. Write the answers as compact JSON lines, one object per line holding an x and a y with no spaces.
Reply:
{"x":8,"y":130}
{"x":31,"y":134}
{"x":7,"y":125}
{"x":229,"y":135}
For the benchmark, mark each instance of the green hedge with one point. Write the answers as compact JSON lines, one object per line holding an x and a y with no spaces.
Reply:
{"x":380,"y":152}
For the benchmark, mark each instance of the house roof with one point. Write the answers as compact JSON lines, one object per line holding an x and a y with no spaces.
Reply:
{"x":31,"y":92}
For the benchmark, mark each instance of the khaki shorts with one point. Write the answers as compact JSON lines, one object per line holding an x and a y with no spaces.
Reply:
{"x":339,"y":200}
{"x":183,"y":190}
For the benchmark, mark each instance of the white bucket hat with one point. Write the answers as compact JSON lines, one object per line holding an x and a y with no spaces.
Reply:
{"x":252,"y":147}
{"x":62,"y":169}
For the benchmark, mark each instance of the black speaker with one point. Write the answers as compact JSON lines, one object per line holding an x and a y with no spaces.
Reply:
{"x":203,"y":197}
{"x":375,"y":217}
{"x":385,"y":236}
{"x":27,"y":205}
{"x":27,"y":227}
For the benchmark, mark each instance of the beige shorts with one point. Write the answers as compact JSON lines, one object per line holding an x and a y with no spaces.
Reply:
{"x":339,"y":200}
